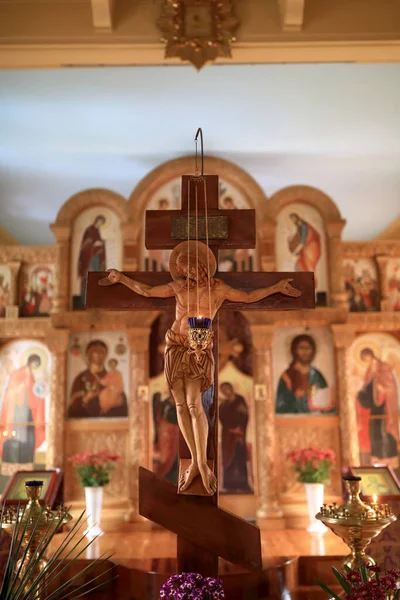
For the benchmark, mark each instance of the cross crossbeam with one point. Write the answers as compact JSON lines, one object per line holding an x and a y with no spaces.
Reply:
{"x":204,"y":531}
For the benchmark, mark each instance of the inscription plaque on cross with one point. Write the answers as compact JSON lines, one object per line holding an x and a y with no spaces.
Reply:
{"x":204,"y":531}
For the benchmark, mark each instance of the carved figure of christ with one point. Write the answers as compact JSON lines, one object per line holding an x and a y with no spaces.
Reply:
{"x":189,"y":373}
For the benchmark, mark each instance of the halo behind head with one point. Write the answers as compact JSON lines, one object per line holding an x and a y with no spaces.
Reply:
{"x":190,"y":248}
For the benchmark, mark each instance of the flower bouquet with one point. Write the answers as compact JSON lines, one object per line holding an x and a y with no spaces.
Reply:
{"x":192,"y":586}
{"x":359,"y":585}
{"x":313,"y":466}
{"x":93,"y":470}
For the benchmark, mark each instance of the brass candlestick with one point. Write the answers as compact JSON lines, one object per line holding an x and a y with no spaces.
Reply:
{"x":356,"y":522}
{"x":36,"y":524}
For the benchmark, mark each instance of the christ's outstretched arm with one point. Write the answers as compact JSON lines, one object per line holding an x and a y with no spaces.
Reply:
{"x":155,"y":291}
{"x":283,"y":287}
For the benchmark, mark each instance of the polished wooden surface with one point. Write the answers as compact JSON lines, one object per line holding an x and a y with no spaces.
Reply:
{"x":133,"y":543}
{"x":142,"y":559}
{"x":198,"y":520}
{"x":119,"y":297}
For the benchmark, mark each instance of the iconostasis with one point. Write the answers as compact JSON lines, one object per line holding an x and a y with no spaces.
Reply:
{"x":73,"y":380}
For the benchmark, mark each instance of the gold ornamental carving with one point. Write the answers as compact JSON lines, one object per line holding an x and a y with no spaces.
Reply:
{"x":138,"y":434}
{"x":84,"y":200}
{"x":324,"y":434}
{"x":262,"y":336}
{"x":371,"y":249}
{"x":114,"y":441}
{"x":198,"y":31}
{"x":57,"y":343}
{"x":170,"y":170}
{"x":24,"y":328}
{"x":304,"y":193}
{"x":27,"y":254}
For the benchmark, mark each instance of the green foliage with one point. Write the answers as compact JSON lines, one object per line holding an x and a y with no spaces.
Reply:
{"x":312,"y":472}
{"x":94,"y":468}
{"x":90,"y":476}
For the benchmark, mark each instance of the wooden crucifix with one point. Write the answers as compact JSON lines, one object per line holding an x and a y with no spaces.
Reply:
{"x":204,"y":530}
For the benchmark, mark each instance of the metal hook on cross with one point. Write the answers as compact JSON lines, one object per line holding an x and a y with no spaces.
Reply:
{"x":200,"y":132}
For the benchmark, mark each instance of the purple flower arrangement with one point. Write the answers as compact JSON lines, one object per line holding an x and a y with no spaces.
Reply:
{"x":192,"y":586}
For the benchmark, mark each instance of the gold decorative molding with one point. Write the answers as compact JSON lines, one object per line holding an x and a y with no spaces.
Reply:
{"x":392,"y":232}
{"x":198,"y":31}
{"x":27,"y":254}
{"x":57,"y":343}
{"x":343,"y":336}
{"x":138,"y":437}
{"x":36,"y":328}
{"x":317,"y":317}
{"x":115,"y":440}
{"x":15,"y":267}
{"x":268,"y":507}
{"x":374,"y":321}
{"x":299,"y":432}
{"x":310,"y":195}
{"x":170,"y":170}
{"x":25,"y":54}
{"x":82,"y":320}
{"x":347,"y":409}
{"x":85,"y":199}
{"x":371,"y":248}
{"x":6,"y":239}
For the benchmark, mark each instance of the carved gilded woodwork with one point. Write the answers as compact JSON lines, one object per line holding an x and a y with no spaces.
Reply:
{"x":14,"y":266}
{"x":274,"y":436}
{"x":168,"y":171}
{"x":343,"y":339}
{"x":62,"y":230}
{"x":267,"y":476}
{"x":383,"y":262}
{"x":371,"y":248}
{"x":57,"y":343}
{"x":198,"y":32}
{"x":27,"y":254}
{"x":139,"y":414}
{"x":299,"y":432}
{"x":96,"y":437}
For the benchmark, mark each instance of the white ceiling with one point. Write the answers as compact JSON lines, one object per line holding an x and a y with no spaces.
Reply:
{"x":335,"y":127}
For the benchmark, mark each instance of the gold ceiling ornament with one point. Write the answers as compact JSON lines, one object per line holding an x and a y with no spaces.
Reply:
{"x":198,"y":31}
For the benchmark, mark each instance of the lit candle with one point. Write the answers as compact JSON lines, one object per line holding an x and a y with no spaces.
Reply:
{"x":374,"y":504}
{"x":199,"y":322}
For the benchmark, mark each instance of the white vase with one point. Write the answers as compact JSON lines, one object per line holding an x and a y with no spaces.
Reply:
{"x":94,"y":502}
{"x":315,"y":499}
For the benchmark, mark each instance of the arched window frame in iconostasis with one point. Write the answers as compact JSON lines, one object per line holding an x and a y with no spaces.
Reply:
{"x":333,"y":225}
{"x":148,"y":192}
{"x":90,"y":202}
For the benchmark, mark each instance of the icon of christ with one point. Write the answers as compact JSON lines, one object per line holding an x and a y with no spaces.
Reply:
{"x":191,"y":373}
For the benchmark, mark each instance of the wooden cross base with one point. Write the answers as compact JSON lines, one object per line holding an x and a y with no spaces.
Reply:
{"x":196,"y":488}
{"x":204,"y":530}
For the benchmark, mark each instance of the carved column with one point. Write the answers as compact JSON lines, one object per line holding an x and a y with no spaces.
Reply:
{"x":61,"y":300}
{"x":131,"y":247}
{"x":12,"y":310}
{"x":343,"y":340}
{"x":138,"y":339}
{"x":57,"y":343}
{"x":268,"y":507}
{"x":266,"y":245}
{"x":338,"y":295}
{"x":383,"y":262}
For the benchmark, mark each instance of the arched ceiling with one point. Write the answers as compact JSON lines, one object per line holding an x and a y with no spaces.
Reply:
{"x":335,"y":127}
